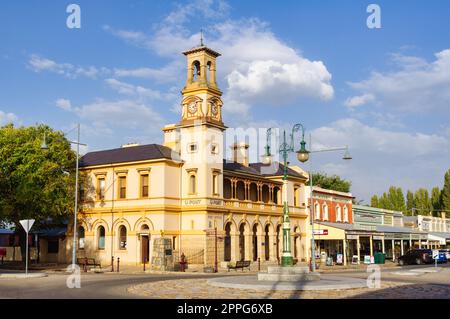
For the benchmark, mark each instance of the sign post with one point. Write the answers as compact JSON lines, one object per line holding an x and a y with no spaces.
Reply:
{"x":435,"y":256}
{"x":26,"y":224}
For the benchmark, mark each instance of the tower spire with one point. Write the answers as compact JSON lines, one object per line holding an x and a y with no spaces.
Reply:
{"x":201,"y":37}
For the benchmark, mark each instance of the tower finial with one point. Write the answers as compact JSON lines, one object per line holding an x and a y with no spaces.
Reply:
{"x":201,"y":37}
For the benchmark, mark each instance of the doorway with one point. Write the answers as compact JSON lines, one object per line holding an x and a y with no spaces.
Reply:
{"x":145,"y":245}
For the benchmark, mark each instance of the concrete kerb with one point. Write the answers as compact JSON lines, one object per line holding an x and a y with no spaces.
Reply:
{"x":22,"y":276}
{"x":327,"y":282}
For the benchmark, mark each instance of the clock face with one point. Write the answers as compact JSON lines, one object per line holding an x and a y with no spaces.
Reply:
{"x":214,"y":108}
{"x":192,"y":107}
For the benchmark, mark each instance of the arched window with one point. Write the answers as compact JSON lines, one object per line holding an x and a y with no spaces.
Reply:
{"x":325,"y":212}
{"x":316,"y":211}
{"x":345,"y":214}
{"x":122,"y":237}
{"x":338,"y":214}
{"x":81,"y":237}
{"x":101,"y":237}
{"x":192,"y":184}
{"x":197,"y":72}
{"x":208,"y":74}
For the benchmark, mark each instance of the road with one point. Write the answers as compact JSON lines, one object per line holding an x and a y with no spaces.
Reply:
{"x":112,"y":285}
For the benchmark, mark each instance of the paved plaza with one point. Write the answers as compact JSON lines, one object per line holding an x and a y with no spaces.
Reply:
{"x":417,"y":282}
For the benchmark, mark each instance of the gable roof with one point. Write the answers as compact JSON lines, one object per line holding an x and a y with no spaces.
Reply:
{"x":126,"y":154}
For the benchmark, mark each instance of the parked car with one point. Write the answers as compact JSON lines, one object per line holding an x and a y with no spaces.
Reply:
{"x":445,"y":253}
{"x":416,"y":257}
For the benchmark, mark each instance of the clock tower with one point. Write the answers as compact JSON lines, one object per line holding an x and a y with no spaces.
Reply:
{"x":201,"y":95}
{"x":199,"y":136}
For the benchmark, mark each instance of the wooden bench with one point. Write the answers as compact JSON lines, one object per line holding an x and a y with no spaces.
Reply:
{"x":239,"y":264}
{"x":88,"y":262}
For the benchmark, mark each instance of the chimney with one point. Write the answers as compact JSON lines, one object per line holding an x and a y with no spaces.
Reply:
{"x":240,"y":153}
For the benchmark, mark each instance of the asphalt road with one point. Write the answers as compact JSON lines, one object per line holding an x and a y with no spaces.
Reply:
{"x":112,"y":285}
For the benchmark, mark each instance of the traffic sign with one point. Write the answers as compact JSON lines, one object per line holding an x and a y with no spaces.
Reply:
{"x":27,"y":224}
{"x":435,"y":254}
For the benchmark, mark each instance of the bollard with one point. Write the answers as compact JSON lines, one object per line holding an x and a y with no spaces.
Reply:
{"x":259,"y":264}
{"x":85,"y":264}
{"x":112,"y":264}
{"x":118,"y":263}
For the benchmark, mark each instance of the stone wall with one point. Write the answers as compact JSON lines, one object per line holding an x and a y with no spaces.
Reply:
{"x":162,"y":258}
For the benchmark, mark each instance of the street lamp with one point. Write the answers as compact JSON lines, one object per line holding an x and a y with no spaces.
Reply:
{"x":44,"y":146}
{"x":346,"y":156}
{"x":302,"y":155}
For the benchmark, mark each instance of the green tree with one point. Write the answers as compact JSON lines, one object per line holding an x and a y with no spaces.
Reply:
{"x":384,"y":201}
{"x":410,"y":203}
{"x":395,"y":199}
{"x":445,"y":195}
{"x":422,"y":202}
{"x":374,"y":201}
{"x":33,"y":182}
{"x":333,"y":182}
{"x":436,"y":200}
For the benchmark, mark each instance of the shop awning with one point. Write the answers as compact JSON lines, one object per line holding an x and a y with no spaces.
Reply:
{"x":443,"y":238}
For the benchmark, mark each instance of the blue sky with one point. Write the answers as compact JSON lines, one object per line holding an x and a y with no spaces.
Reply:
{"x":384,"y":92}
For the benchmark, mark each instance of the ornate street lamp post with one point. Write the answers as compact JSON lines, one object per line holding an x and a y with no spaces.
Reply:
{"x":302,"y":155}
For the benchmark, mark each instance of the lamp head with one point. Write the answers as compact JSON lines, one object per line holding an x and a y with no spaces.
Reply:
{"x":303,"y":153}
{"x":267,"y":157}
{"x":347,"y":155}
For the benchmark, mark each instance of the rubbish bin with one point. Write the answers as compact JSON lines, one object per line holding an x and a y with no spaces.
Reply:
{"x":379,"y":258}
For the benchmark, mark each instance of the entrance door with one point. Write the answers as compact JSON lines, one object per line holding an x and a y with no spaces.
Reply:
{"x":145,"y":245}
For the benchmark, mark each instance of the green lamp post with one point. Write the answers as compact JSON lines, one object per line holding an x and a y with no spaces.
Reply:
{"x":302,"y":155}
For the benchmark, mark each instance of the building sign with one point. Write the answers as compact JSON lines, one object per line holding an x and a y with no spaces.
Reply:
{"x":217,"y":202}
{"x":364,"y":227}
{"x":352,"y":236}
{"x":368,"y":218}
{"x":377,"y":237}
{"x":321,"y":232}
{"x":192,"y":202}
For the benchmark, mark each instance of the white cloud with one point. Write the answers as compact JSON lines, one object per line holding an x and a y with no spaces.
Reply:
{"x":359,"y":100}
{"x":255,"y":65}
{"x":415,"y":86}
{"x":278,"y":83}
{"x":168,"y":73}
{"x":40,"y":64}
{"x":6,"y":118}
{"x":113,"y":114}
{"x":140,"y":91}
{"x":64,"y":104}
{"x":381,"y":157}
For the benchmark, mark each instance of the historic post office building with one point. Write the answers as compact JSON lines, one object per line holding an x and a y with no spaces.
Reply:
{"x":184,"y":190}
